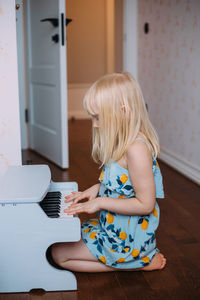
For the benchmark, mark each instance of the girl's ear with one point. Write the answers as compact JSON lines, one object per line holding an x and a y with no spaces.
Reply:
{"x":123,"y":108}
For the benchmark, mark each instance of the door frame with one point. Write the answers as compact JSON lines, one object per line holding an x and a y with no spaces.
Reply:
{"x":110,"y":36}
{"x":21,"y":59}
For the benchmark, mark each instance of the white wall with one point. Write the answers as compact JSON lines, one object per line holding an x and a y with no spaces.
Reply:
{"x":10,"y":148}
{"x":169,"y":72}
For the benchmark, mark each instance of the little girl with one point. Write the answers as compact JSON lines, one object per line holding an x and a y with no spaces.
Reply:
{"x":126,"y":146}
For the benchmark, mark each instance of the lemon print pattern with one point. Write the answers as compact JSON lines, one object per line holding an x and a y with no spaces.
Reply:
{"x":101,"y":176}
{"x":155,"y":213}
{"x":93,"y":222}
{"x":123,"y":241}
{"x":109,"y":218}
{"x":122,"y":235}
{"x":135,"y":252}
{"x":120,"y":260}
{"x":87,"y":229}
{"x":93,"y":235}
{"x":126,"y":249}
{"x":146,"y":259}
{"x":102,"y":259}
{"x":113,"y":250}
{"x":124,"y":178}
{"x":144,"y":224}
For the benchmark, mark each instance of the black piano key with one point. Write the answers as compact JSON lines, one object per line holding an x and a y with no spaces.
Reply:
{"x":46,"y":209}
{"x":52,"y":211}
{"x":50,"y":204}
{"x":53,"y":198}
{"x":51,"y":201}
{"x":53,"y":194}
{"x":53,"y":215}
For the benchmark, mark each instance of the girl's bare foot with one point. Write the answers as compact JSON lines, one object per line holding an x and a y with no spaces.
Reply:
{"x":158,"y":262}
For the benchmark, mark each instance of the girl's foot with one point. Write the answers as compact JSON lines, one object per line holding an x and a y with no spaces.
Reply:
{"x":158,"y":262}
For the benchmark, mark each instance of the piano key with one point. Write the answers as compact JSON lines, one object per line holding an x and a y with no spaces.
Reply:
{"x":52,"y":214}
{"x":48,"y":208}
{"x":49,"y":201}
{"x":52,"y":211}
{"x":53,"y":195}
{"x":52,"y":199}
{"x":45,"y":205}
{"x":54,"y":204}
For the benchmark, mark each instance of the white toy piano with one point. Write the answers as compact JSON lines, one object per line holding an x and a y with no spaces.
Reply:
{"x":32,"y":219}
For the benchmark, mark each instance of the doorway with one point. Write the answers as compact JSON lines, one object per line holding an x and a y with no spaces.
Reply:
{"x":76,"y":84}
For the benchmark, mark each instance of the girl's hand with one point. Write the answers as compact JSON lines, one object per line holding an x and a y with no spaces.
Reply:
{"x":89,"y":207}
{"x":89,"y":194}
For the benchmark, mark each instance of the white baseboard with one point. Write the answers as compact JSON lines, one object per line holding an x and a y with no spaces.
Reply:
{"x":180,"y":164}
{"x":76,"y":92}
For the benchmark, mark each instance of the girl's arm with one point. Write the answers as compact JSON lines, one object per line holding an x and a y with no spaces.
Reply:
{"x":139,"y":161}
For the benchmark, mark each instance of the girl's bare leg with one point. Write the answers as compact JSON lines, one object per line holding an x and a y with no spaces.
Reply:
{"x":77,"y":257}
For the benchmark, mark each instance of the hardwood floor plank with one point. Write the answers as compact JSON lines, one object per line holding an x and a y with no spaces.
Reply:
{"x":135,"y":285}
{"x":14,"y":296}
{"x":106,"y":286}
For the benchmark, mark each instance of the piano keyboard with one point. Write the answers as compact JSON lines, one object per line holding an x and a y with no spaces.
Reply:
{"x":54,"y":204}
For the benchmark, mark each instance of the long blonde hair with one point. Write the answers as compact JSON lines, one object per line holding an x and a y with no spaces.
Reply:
{"x":118,"y":100}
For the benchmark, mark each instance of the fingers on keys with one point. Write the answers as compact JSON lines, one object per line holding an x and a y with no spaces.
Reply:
{"x":73,"y":196}
{"x":74,"y":209}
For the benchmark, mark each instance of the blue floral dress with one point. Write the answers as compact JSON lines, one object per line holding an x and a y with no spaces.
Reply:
{"x":122,"y":241}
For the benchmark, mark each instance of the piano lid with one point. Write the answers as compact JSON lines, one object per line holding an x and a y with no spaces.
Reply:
{"x":24,"y":184}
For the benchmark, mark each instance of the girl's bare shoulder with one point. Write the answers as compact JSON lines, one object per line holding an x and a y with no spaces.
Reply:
{"x":138,"y":152}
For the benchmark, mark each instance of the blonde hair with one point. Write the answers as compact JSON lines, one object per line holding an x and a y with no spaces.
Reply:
{"x":118,"y":100}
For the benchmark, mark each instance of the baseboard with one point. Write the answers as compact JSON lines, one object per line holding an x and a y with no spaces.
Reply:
{"x":180,"y":164}
{"x":76,"y":92}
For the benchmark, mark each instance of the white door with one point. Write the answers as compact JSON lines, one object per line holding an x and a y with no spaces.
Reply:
{"x":47,"y":80}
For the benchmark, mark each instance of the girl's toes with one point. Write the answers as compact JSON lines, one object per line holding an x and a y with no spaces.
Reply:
{"x":163,"y":262}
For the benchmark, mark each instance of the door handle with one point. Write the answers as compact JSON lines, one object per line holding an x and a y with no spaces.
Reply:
{"x":53,"y":21}
{"x":67,"y":21}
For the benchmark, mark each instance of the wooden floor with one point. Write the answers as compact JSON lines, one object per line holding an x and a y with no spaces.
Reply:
{"x":178,"y":236}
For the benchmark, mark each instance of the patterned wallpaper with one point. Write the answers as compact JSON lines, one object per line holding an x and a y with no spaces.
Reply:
{"x":169,"y":74}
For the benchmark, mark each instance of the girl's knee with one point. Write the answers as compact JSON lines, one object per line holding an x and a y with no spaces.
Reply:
{"x":57,"y":254}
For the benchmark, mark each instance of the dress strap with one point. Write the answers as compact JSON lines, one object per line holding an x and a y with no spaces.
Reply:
{"x":140,"y":139}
